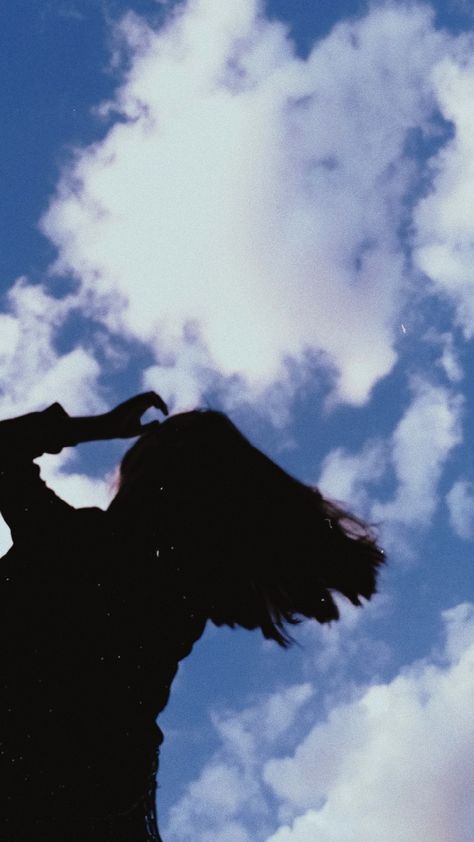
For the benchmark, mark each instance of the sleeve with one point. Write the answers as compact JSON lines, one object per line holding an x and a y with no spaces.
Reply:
{"x":25,"y":500}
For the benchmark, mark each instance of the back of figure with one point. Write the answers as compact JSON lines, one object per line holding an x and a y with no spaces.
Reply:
{"x":90,"y":646}
{"x":98,"y":608}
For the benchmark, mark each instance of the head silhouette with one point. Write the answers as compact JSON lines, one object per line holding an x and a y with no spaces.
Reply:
{"x":262,"y":548}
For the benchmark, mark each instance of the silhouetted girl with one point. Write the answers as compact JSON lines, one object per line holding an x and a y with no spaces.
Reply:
{"x":98,"y":608}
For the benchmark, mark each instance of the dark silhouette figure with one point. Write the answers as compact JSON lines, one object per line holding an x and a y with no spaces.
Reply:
{"x":98,"y":608}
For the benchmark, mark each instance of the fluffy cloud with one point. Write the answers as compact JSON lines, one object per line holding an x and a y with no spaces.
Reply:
{"x":445,"y":218}
{"x":244,"y":211}
{"x":76,"y":488}
{"x":348,"y":476}
{"x":34,"y":374}
{"x":395,"y":763}
{"x":391,"y":763}
{"x":334,"y":649}
{"x":414,"y":458}
{"x":418,"y":458}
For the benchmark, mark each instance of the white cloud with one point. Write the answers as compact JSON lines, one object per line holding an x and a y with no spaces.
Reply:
{"x":274,"y":716}
{"x":445,"y":218}
{"x":77,"y":489}
{"x":335,"y":648}
{"x":421,"y":444}
{"x":253,"y":196}
{"x":415,"y":453}
{"x":34,"y":374}
{"x":347,"y":476}
{"x":219,"y":791}
{"x":449,"y":360}
{"x":460,"y":500}
{"x":5,"y":538}
{"x":394,"y":764}
{"x":226,"y":801}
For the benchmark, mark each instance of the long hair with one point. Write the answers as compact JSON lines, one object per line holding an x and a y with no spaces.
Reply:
{"x":260,"y":548}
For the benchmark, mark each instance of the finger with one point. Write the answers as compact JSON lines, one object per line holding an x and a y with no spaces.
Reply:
{"x":156,"y":400}
{"x":140,"y":403}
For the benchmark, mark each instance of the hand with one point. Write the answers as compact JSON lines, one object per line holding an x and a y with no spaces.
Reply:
{"x":124,"y":421}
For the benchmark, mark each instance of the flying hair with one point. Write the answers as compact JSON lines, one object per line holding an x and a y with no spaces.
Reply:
{"x":257,"y":547}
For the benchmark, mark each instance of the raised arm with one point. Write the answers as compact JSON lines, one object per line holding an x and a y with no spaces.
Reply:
{"x":24,"y":497}
{"x":122,"y":422}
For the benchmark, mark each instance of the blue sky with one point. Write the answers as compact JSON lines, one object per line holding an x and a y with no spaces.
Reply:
{"x":270,"y":210}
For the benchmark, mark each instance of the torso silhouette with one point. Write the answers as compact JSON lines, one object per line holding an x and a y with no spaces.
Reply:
{"x":93,"y":625}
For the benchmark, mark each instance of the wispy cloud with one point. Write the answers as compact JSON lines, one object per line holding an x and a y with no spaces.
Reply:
{"x":421,"y":445}
{"x":445,"y":218}
{"x":412,"y":458}
{"x":460,"y":500}
{"x":230,"y":785}
{"x":352,"y":476}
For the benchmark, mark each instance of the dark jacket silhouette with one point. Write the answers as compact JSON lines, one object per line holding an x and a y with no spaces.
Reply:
{"x":98,"y":608}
